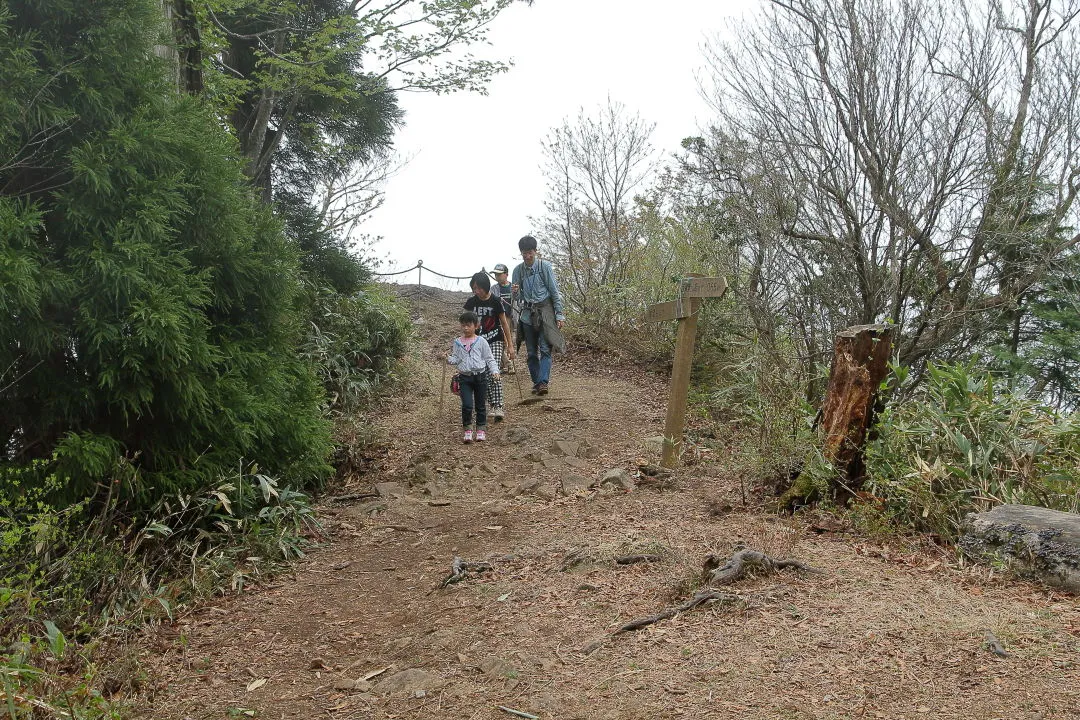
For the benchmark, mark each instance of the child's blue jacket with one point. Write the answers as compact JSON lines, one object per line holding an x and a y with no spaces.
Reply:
{"x":474,"y":360}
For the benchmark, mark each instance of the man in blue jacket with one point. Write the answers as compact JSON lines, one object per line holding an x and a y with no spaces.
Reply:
{"x":541,"y":321}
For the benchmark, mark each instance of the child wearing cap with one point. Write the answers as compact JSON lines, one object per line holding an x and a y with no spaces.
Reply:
{"x":503,"y":288}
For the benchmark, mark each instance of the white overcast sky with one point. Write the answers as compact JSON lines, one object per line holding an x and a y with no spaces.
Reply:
{"x":474,"y":177}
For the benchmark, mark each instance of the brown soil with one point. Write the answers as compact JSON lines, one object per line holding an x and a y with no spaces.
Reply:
{"x":884,"y":633}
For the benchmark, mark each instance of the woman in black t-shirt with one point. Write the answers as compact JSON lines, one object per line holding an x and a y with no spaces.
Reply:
{"x":494,"y":328}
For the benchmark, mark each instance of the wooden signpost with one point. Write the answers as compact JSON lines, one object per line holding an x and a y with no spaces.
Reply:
{"x":684,"y":309}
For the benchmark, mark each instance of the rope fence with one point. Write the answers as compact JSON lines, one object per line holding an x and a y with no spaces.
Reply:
{"x":420,"y":268}
{"x":417,"y":294}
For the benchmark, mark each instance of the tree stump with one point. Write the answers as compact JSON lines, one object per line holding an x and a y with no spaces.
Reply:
{"x":860,"y":362}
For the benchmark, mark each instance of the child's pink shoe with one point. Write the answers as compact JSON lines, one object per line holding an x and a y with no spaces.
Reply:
{"x":481,"y":436}
{"x":468,"y":436}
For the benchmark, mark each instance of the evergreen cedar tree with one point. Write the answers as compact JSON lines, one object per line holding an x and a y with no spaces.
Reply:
{"x":151,"y":312}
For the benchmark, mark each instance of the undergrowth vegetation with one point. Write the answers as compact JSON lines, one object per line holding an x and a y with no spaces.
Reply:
{"x":178,"y":355}
{"x":963,"y":442}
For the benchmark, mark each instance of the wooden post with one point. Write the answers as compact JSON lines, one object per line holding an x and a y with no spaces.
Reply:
{"x":675,"y":423}
{"x":683,"y":309}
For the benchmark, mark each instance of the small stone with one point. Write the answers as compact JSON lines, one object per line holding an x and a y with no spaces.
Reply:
{"x":574,"y":485}
{"x":497,"y":667}
{"x":566,"y":448}
{"x":554,"y":463}
{"x":527,"y":486}
{"x":442,"y":638}
{"x":389,"y":490}
{"x":535,"y":456}
{"x":618,"y":477}
{"x":401,"y":643}
{"x":591,"y":453}
{"x":367,"y":509}
{"x":576,"y":462}
{"x":545,"y":492}
{"x":517,"y":435}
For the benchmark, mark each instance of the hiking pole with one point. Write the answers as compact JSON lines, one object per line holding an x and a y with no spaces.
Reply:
{"x":442,"y":397}
{"x":517,"y":376}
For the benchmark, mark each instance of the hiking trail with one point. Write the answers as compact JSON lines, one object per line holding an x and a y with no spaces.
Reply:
{"x":362,"y":628}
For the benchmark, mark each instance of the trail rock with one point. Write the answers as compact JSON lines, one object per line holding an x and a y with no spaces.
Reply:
{"x":618,"y":477}
{"x":591,"y":453}
{"x":574,"y":484}
{"x":655,"y":444}
{"x":442,"y":638}
{"x":566,"y":448}
{"x":1031,"y":541}
{"x":419,"y":474}
{"x":389,"y":490}
{"x":535,"y":456}
{"x":497,"y":667}
{"x":545,"y":492}
{"x":527,"y":486}
{"x":554,"y":463}
{"x":410,"y":681}
{"x":576,"y":462}
{"x":517,"y":435}
{"x":353,"y":685}
{"x":369,"y":508}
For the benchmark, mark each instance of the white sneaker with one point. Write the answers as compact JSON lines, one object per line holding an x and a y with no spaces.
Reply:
{"x":468,"y":436}
{"x":497,"y":414}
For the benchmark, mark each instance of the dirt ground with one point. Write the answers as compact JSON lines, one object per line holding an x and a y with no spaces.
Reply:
{"x":884,"y":632}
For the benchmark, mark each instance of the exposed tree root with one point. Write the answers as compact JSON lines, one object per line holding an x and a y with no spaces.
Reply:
{"x":713,"y":574}
{"x":708,"y":596}
{"x":717,"y":571}
{"x":991,"y":643}
{"x":632,"y":559}
{"x":460,"y":569}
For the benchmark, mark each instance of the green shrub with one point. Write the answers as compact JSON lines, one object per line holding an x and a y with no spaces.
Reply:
{"x":149,"y":310}
{"x":354,"y":343}
{"x":962,"y":444}
{"x":89,"y":565}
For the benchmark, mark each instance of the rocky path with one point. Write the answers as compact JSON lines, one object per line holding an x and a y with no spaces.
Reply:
{"x":364,"y":630}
